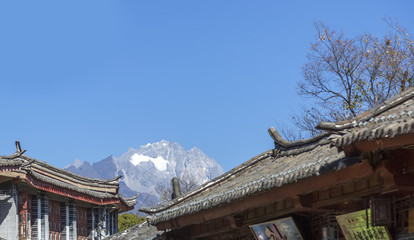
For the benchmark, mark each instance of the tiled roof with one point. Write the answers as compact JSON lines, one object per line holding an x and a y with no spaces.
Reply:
{"x":103,"y":189}
{"x":263,"y":173}
{"x":293,"y":161}
{"x":394,"y":117}
{"x":140,"y":231}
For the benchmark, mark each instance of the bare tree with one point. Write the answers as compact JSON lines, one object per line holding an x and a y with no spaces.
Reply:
{"x":303,"y":123}
{"x":332,"y":71}
{"x":164,"y":190}
{"x":187,"y":183}
{"x":346,"y":76}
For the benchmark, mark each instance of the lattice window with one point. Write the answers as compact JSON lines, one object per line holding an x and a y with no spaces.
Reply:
{"x":91,"y":222}
{"x":40,"y":218}
{"x":44,"y":203}
{"x":63,"y":220}
{"x":72,"y":221}
{"x":35,"y":217}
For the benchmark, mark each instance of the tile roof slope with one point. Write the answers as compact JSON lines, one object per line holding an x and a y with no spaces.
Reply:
{"x":22,"y":158}
{"x":394,"y":117}
{"x":261,"y":174}
{"x":140,"y":231}
{"x":292,"y":161}
{"x":92,"y":186}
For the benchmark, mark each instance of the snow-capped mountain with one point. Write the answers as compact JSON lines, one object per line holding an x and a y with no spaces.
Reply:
{"x":143,"y":168}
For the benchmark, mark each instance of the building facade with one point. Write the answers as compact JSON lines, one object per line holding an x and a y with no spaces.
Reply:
{"x":354,"y":181}
{"x":42,"y":202}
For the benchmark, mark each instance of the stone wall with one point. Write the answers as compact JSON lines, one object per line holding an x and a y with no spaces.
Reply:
{"x":8,"y":211}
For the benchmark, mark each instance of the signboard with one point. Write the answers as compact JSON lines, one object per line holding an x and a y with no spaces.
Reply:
{"x":354,"y":227}
{"x":281,"y":229}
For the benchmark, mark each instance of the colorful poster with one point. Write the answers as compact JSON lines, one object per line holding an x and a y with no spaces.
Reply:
{"x":281,"y":229}
{"x":354,"y":227}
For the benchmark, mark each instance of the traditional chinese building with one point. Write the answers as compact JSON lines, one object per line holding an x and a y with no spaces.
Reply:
{"x":39,"y":201}
{"x":354,"y":181}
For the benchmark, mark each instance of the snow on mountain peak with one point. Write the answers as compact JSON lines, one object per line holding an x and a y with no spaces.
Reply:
{"x":159,"y":162}
{"x":161,"y":144}
{"x":141,"y":167}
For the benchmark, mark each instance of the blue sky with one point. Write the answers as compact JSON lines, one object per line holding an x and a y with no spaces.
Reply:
{"x":86,"y":79}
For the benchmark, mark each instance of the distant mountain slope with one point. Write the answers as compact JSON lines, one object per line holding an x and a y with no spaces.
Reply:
{"x":83,"y":169}
{"x":143,"y":168}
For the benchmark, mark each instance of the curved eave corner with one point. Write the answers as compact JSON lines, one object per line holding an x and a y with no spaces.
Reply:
{"x":128,"y":203}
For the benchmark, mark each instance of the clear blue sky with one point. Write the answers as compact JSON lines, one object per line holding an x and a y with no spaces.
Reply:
{"x":86,"y":79}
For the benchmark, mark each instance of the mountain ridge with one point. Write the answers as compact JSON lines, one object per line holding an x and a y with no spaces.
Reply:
{"x":150,"y":165}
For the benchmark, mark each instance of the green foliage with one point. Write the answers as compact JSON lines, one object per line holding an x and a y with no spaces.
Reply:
{"x":127,"y":220}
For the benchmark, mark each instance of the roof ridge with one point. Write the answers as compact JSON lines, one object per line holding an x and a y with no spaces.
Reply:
{"x":17,"y":155}
{"x":377,"y":110}
{"x":284,"y":144}
{"x":261,"y":184}
{"x":208,"y":184}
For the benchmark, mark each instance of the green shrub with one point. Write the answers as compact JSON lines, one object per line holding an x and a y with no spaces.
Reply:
{"x":127,"y":220}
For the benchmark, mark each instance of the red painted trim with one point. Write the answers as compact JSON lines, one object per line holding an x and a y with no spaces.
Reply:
{"x":69,"y":193}
{"x":75,"y":195}
{"x":66,"y":192}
